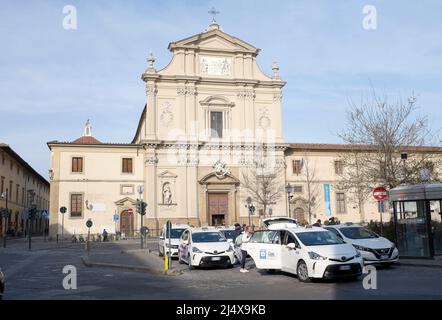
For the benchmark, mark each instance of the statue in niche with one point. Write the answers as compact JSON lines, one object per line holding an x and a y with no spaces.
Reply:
{"x":167,"y":194}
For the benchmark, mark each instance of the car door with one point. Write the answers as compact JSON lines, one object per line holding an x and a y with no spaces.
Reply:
{"x":289,"y":257}
{"x":265,"y":249}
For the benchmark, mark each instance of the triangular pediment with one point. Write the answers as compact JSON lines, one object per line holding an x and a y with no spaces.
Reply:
{"x":214,"y":40}
{"x":212,"y":178}
{"x":125,"y":200}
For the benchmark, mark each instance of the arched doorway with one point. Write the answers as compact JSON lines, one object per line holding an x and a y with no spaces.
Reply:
{"x":299,"y":214}
{"x":127,"y":223}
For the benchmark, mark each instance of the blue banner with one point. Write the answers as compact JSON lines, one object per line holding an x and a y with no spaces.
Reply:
{"x":327,"y":203}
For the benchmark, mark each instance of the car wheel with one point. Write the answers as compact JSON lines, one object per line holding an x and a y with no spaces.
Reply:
{"x":302,"y":272}
{"x":189,"y":263}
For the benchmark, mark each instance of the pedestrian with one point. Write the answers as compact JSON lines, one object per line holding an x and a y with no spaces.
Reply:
{"x":104,"y":235}
{"x":244,"y":227}
{"x":244,"y":239}
{"x":237,"y":232}
{"x":318,"y":223}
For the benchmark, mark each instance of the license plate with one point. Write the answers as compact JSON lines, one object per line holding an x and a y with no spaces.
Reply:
{"x":216,"y":258}
{"x":344,"y":267}
{"x":384,"y":257}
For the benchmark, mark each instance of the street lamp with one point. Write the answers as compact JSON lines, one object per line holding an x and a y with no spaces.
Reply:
{"x":289,"y":189}
{"x":251,"y":209}
{"x":404,"y":157}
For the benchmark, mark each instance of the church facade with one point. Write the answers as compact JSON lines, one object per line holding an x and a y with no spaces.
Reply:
{"x":211,"y":117}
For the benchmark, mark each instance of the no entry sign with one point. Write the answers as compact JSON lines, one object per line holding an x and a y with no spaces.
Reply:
{"x":130,"y":211}
{"x":380,"y":193}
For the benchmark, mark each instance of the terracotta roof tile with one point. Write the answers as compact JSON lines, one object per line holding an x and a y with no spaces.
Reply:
{"x":86,"y":140}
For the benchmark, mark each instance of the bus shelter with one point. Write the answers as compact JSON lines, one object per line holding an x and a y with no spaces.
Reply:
{"x":417,"y":219}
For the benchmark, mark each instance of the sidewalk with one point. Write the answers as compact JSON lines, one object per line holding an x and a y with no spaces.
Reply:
{"x":37,"y":243}
{"x":430,"y":263}
{"x":127,"y":255}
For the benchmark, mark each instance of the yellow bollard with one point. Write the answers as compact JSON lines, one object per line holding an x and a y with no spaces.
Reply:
{"x":166,"y":263}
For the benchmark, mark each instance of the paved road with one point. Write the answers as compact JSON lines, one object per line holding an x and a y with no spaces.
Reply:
{"x":38,"y":275}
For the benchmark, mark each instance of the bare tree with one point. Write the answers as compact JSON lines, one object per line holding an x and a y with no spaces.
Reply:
{"x":310,"y":198}
{"x":263,"y":184}
{"x":379,"y":133}
{"x":352,"y":179}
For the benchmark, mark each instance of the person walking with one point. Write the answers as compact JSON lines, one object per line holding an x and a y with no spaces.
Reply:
{"x":247,"y":234}
{"x":318,"y":223}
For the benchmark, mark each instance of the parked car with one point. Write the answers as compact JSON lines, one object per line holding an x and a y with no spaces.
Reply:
{"x":274,"y":223}
{"x":373,"y":248}
{"x":309,"y":252}
{"x":163,"y":241}
{"x":2,"y":283}
{"x":205,"y":246}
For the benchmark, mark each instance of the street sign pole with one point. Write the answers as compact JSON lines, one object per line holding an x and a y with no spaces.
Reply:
{"x":380,"y":194}
{"x":62,"y":211}
{"x":88,"y":225}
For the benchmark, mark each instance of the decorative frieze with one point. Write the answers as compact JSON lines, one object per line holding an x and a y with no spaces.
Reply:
{"x":151,"y":160}
{"x":248,"y":94}
{"x":186,"y":91}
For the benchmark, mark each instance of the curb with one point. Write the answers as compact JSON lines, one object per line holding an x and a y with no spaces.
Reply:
{"x":136,"y":250}
{"x":419,"y":265}
{"x":88,"y":263}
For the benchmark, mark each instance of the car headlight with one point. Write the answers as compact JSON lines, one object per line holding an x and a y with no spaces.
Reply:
{"x":196,"y":250}
{"x":315,"y":256}
{"x":393,"y":246}
{"x":167,"y":245}
{"x":358,"y":254}
{"x":361,"y":248}
{"x":230,"y":249}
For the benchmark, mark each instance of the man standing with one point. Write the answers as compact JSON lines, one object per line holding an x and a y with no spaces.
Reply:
{"x":318,"y":223}
{"x":244,"y":239}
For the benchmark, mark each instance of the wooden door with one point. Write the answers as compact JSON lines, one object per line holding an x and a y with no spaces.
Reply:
{"x":218,"y":208}
{"x":127,"y":224}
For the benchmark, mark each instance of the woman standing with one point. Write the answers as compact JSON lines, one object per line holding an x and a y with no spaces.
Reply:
{"x":245,"y":237}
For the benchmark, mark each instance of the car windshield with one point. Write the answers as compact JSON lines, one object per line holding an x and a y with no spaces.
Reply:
{"x":229,"y":234}
{"x":175,"y":233}
{"x":208,"y":237}
{"x":318,"y":238}
{"x":358,"y":233}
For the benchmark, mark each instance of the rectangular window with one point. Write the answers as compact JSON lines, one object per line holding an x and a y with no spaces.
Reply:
{"x":76,"y":205}
{"x":23,"y":196}
{"x":216,"y":124}
{"x":297,"y":166}
{"x":10,"y":189}
{"x":297,"y":189}
{"x":339,"y":167}
{"x":77,"y":164}
{"x":2,"y":185}
{"x":127,"y":165}
{"x":17,"y":190}
{"x":340,"y":203}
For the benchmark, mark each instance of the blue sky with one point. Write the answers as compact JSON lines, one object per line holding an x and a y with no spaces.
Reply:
{"x":52,"y":79}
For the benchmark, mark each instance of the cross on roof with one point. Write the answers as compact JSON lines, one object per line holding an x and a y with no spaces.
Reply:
{"x":213,"y":12}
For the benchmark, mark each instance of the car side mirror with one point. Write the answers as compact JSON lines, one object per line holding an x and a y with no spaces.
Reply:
{"x":161,"y":237}
{"x":291,"y":246}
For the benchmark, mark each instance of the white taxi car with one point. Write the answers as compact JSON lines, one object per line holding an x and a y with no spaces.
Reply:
{"x":308,"y":252}
{"x":205,"y":246}
{"x":175,"y":234}
{"x":373,"y":248}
